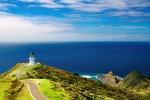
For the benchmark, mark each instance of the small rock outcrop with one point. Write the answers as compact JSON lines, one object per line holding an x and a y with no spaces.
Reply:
{"x":109,"y":78}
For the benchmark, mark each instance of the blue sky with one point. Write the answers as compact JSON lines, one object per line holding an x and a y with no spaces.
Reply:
{"x":74,"y":20}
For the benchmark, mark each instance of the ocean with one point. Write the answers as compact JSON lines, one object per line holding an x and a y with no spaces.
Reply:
{"x":86,"y":58}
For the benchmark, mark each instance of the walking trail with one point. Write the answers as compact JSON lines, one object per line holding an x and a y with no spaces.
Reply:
{"x":20,"y":72}
{"x":34,"y":91}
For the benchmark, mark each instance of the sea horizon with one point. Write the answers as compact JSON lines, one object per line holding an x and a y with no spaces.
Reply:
{"x":83,"y":57}
{"x":62,"y":41}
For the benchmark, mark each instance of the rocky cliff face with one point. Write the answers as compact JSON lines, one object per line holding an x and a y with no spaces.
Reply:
{"x":109,"y":78}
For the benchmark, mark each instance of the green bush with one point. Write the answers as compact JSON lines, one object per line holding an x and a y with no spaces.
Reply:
{"x":14,"y":89}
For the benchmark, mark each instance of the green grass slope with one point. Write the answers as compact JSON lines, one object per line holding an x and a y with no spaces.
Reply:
{"x":12,"y":88}
{"x":50,"y":89}
{"x":4,"y":85}
{"x":57,"y":84}
{"x":77,"y":88}
{"x":136,"y":81}
{"x":9,"y":88}
{"x":12,"y":72}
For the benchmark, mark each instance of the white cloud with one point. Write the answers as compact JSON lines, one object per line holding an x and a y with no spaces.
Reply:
{"x":4,"y":6}
{"x":137,"y":3}
{"x":118,"y":4}
{"x":52,"y":5}
{"x":21,"y":28}
{"x":91,"y":5}
{"x":128,"y":13}
{"x":69,"y":1}
{"x":40,"y":1}
{"x":44,"y":3}
{"x":125,"y":27}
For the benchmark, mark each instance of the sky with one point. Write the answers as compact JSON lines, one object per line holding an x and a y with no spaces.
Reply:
{"x":74,"y":20}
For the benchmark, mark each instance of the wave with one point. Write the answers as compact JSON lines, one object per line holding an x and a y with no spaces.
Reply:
{"x":86,"y":76}
{"x":118,"y":77}
{"x":94,"y":77}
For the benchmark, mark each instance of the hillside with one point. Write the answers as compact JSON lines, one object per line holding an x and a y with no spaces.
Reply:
{"x":57,"y":84}
{"x":136,"y":81}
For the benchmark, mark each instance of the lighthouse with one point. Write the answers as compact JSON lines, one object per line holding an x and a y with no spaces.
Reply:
{"x":31,"y":59}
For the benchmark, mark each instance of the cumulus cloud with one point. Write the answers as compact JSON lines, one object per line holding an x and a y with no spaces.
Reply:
{"x":24,"y":28}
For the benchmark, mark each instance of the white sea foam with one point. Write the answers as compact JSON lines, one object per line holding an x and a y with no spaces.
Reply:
{"x":118,"y":77}
{"x":86,"y":76}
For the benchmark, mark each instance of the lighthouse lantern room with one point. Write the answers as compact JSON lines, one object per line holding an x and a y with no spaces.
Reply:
{"x":31,"y":59}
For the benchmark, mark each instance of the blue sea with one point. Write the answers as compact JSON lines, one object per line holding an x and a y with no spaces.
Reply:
{"x":85,"y":58}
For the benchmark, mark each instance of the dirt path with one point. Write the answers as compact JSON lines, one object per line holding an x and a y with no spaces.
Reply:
{"x":20,"y":72}
{"x":35,"y":92}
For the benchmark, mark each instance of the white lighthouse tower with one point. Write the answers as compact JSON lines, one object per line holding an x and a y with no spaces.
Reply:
{"x":31,"y":59}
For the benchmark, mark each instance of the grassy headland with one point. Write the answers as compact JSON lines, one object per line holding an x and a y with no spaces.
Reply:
{"x":57,"y":84}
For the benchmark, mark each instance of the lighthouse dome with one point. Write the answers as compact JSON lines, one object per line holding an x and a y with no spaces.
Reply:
{"x":31,"y":53}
